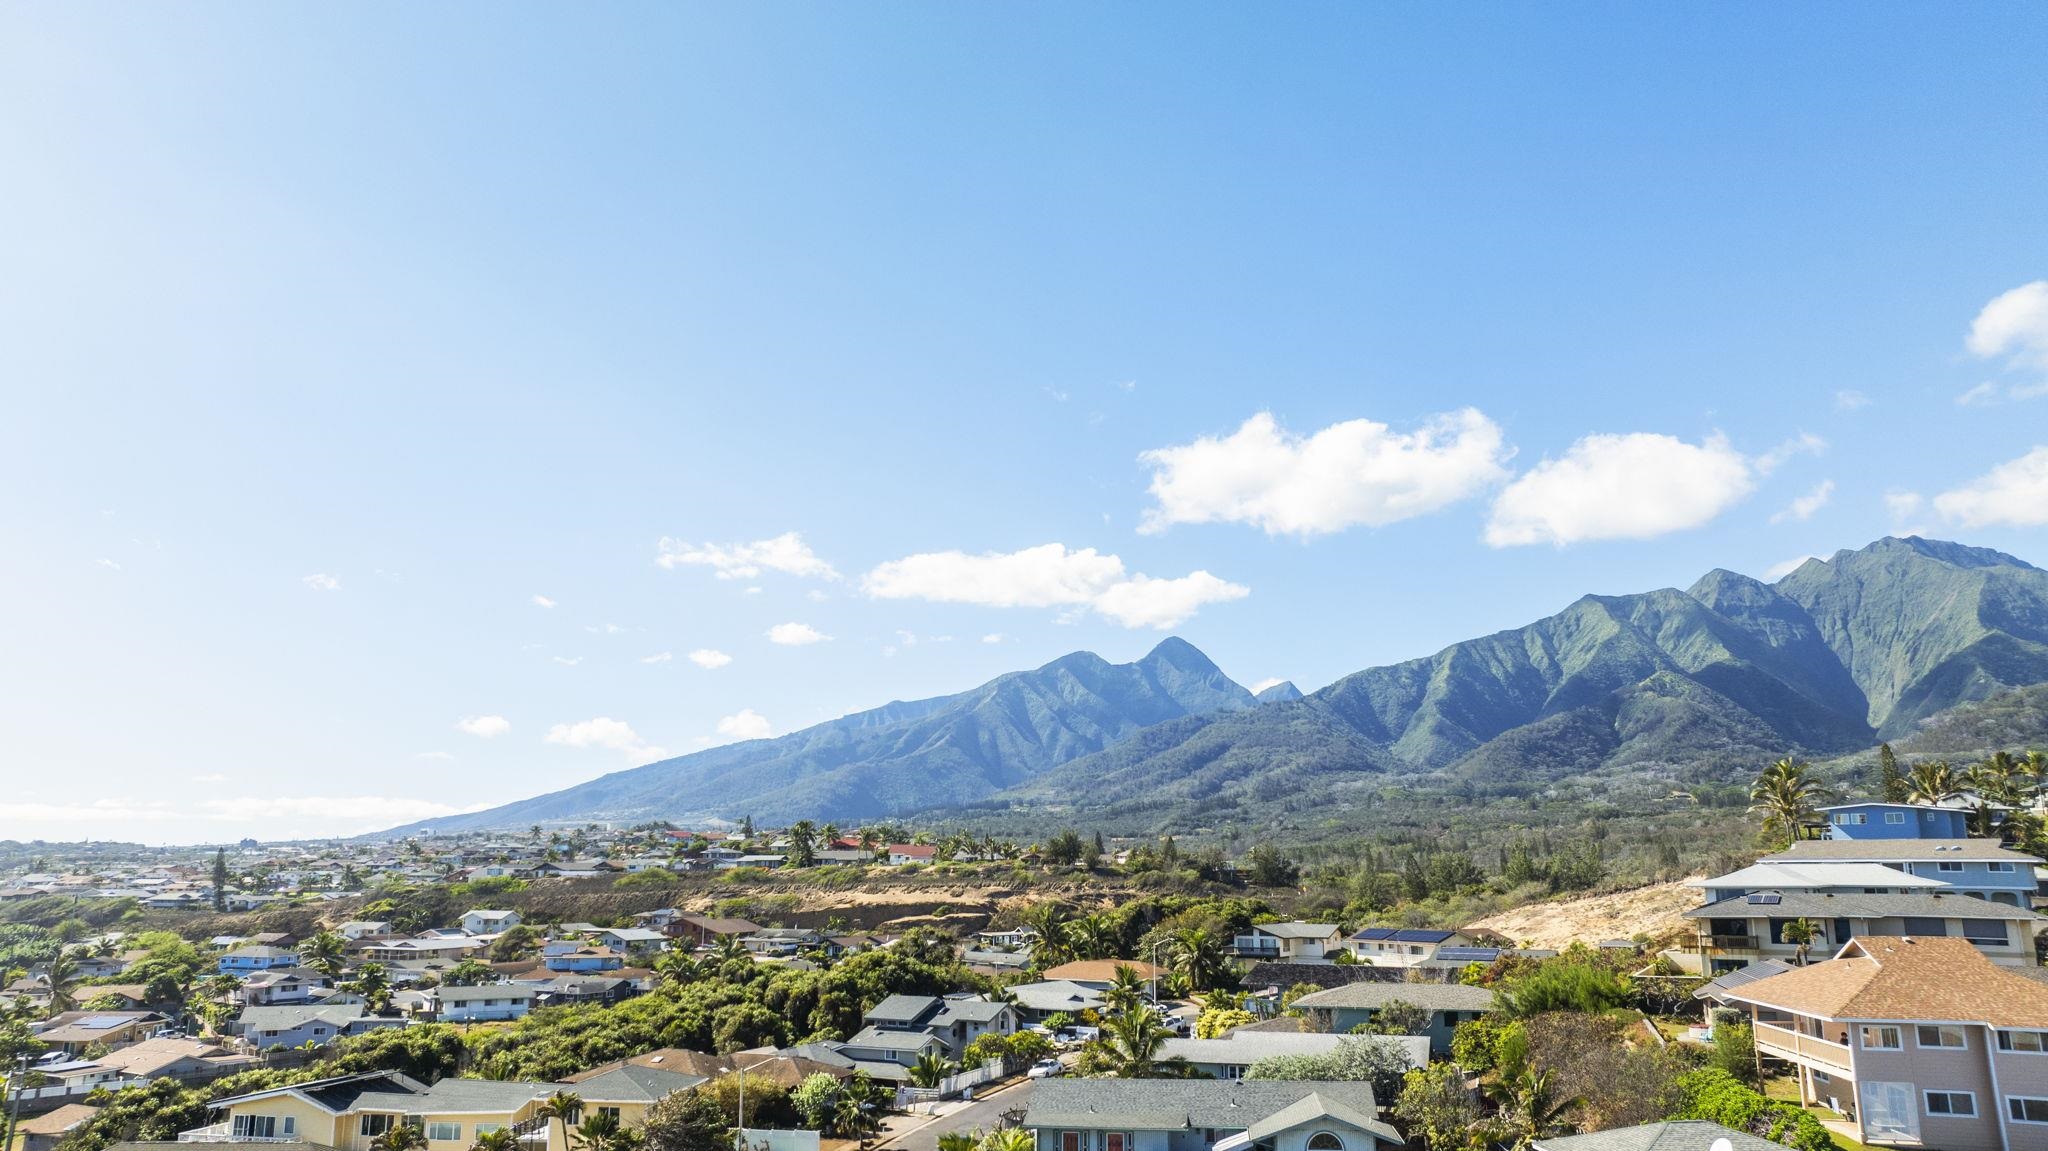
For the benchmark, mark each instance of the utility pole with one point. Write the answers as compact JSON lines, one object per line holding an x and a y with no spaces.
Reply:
{"x":14,"y":1087}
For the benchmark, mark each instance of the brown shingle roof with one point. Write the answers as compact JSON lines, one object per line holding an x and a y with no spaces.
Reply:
{"x":1101,"y":970}
{"x":1913,"y":978}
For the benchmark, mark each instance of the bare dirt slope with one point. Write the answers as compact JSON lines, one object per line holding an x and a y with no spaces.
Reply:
{"x":1648,"y":911}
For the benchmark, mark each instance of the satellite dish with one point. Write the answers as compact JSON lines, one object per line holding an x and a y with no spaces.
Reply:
{"x":1721,"y":1144}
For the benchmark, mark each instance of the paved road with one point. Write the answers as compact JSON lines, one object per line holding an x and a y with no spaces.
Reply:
{"x":985,"y":1112}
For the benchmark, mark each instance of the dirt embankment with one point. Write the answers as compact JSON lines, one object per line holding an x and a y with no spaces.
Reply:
{"x":1651,"y":912}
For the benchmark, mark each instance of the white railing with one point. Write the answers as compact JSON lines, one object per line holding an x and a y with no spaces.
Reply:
{"x":1788,"y":1044}
{"x":223,"y":1132}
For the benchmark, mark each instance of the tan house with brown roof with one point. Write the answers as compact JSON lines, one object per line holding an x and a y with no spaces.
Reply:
{"x":1920,"y":1042}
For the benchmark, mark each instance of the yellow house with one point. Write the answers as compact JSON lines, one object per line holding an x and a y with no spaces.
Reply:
{"x":349,"y":1112}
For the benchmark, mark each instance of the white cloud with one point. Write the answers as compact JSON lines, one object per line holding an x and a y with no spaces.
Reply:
{"x":747,"y":724}
{"x":1805,"y":443}
{"x":1802,"y":508}
{"x":1780,"y":570}
{"x":1269,"y":681}
{"x":795,"y":634}
{"x":1049,"y":575}
{"x":433,"y":755}
{"x":605,"y":629}
{"x":1635,"y":486}
{"x":710,"y":659}
{"x":567,"y":660}
{"x":786,"y":553}
{"x":658,"y":657}
{"x":321,"y":581}
{"x":605,"y":732}
{"x":1903,"y":505}
{"x":483,"y":726}
{"x":210,"y":777}
{"x":1348,"y":474}
{"x":110,"y":565}
{"x":993,"y":637}
{"x":542,"y":601}
{"x":2015,"y":325}
{"x":1850,"y":400}
{"x":816,"y":596}
{"x":755,"y":590}
{"x":2014,"y":493}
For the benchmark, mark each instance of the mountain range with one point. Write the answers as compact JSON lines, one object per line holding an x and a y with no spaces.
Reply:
{"x":1833,"y":657}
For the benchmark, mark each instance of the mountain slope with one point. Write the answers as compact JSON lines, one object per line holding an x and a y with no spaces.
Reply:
{"x":901,"y":756}
{"x":1726,"y":674}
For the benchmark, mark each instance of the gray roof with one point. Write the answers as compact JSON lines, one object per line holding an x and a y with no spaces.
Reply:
{"x":1804,"y":904}
{"x":902,"y":1009}
{"x":1671,"y":1135}
{"x":1897,"y":850}
{"x":1297,"y":930}
{"x":457,"y":1096}
{"x":1317,"y":1108}
{"x":1434,"y":996}
{"x":1056,"y":995}
{"x":974,"y":957}
{"x":884,"y":1039}
{"x":1245,"y":1048}
{"x":1179,"y":1104}
{"x":632,"y":1083}
{"x":1761,"y":969}
{"x":969,"y":1011}
{"x":484,"y":991}
{"x":286,"y":1017}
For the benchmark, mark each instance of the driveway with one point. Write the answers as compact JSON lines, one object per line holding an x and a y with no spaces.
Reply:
{"x":986,"y":1112}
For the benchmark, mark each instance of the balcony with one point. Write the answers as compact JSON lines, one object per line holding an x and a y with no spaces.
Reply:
{"x":1728,"y":942}
{"x":223,"y":1132}
{"x":1782,"y":1043}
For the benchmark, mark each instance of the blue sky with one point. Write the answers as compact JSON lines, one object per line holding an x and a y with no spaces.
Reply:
{"x":332,"y":338}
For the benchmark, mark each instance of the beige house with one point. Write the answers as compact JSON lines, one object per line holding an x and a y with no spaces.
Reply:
{"x":1919,"y":1042}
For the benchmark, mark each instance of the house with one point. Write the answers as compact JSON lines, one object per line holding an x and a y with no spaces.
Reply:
{"x":1670,"y":1135}
{"x":1233,"y":1055}
{"x":625,"y":1090}
{"x":265,"y":1028}
{"x":285,"y":985}
{"x":1340,"y":1009}
{"x":565,"y":990}
{"x":1291,"y":942}
{"x":1191,"y":1115}
{"x":899,"y":854}
{"x":186,"y":1060}
{"x":490,"y":1001}
{"x":488,"y":921}
{"x":1100,"y":974}
{"x":390,"y":951}
{"x":348,"y":1111}
{"x":74,"y":1031}
{"x":257,"y":957}
{"x":1008,"y":939}
{"x":640,"y":942}
{"x":356,"y":929}
{"x":955,"y":1020}
{"x":584,"y":959}
{"x":995,"y":962}
{"x":705,"y":930}
{"x":1984,"y":868}
{"x":575,"y":869}
{"x":1917,"y":1041}
{"x":785,"y":940}
{"x":43,"y":1132}
{"x":284,"y":939}
{"x":1866,"y":821}
{"x":1404,"y":946}
{"x":1734,"y":932}
{"x":783,"y":1070}
{"x":1037,"y":1002}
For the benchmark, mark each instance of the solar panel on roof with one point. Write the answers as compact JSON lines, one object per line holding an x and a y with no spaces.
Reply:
{"x":1766,"y":898}
{"x":1468,"y":954}
{"x":100,"y":1021}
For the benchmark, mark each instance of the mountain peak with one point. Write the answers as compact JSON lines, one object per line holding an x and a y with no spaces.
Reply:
{"x":1281,"y":692}
{"x":1177,"y":652}
{"x":1941,"y":551}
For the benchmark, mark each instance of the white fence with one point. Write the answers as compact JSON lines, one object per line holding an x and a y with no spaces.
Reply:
{"x":776,"y":1139}
{"x":951,"y":1086}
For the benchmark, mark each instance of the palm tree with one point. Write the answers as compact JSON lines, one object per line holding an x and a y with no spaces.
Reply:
{"x":1090,"y":938}
{"x":1009,"y":1139}
{"x":803,"y":843}
{"x":563,"y":1107}
{"x":1932,"y":782}
{"x":1126,"y":990}
{"x":1132,"y":1043}
{"x":1049,"y":920}
{"x":930,"y":1068}
{"x":1800,"y":933}
{"x":1196,"y":954}
{"x":496,"y":1139}
{"x":1528,"y":1104}
{"x":679,"y":968}
{"x":400,"y":1137}
{"x":374,"y":986}
{"x":729,"y":947}
{"x":62,"y":975}
{"x":1787,"y":797}
{"x":599,"y":1132}
{"x":961,"y":1140}
{"x":322,"y":952}
{"x":1997,"y":778}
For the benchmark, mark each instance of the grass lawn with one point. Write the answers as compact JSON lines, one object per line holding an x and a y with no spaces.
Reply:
{"x":1786,"y":1088}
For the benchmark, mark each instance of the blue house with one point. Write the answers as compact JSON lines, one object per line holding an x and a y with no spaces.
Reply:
{"x":585,"y":959}
{"x":1895,"y":821}
{"x":1984,"y":868}
{"x":247,"y":960}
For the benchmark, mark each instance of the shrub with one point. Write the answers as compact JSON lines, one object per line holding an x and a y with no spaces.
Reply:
{"x":1713,"y":1094}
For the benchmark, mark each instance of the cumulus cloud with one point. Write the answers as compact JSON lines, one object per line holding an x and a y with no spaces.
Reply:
{"x":1359,"y":472}
{"x":786,"y":553}
{"x":710,"y":659}
{"x":2013,"y":493}
{"x":993,"y":637}
{"x":484,"y":726}
{"x":1904,"y":505}
{"x":604,"y":732}
{"x":1635,"y":486}
{"x":321,"y":581}
{"x":795,"y":634}
{"x":2014,"y":325}
{"x":1802,"y":508}
{"x":110,"y":565}
{"x":567,"y":660}
{"x":1850,"y":400}
{"x":658,"y":657}
{"x":747,"y":724}
{"x":1805,"y":443}
{"x":1783,"y":568}
{"x":1050,"y":575}
{"x":542,"y":601}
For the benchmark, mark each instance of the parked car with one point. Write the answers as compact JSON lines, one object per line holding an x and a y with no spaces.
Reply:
{"x":1045,"y":1069}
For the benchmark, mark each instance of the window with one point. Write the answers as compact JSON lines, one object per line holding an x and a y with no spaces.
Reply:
{"x":2002,"y":868}
{"x":1895,"y":817}
{"x":1949,"y":865}
{"x":1941,"y":1037}
{"x":1070,"y":1141}
{"x":291,"y":1126}
{"x":1325,"y":1141}
{"x":609,"y":1112}
{"x":2026,"y":1109}
{"x":440,"y":1132}
{"x":1985,"y":931}
{"x":1115,"y":1141}
{"x":374,"y":1125}
{"x":255,"y":1127}
{"x":1875,"y":1038}
{"x":1851,"y":819}
{"x":1951,"y":1103}
{"x":2027,"y":1042}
